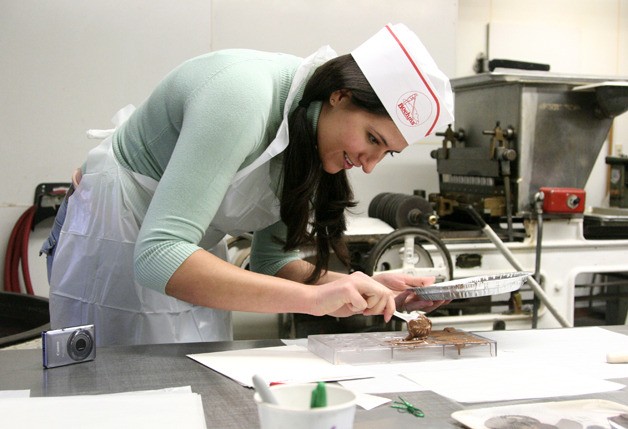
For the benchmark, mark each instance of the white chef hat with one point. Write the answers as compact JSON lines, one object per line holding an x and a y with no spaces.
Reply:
{"x":416,"y":94}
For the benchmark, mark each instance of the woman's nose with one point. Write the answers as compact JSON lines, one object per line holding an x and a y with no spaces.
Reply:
{"x":368,"y":166}
{"x":370,"y":160}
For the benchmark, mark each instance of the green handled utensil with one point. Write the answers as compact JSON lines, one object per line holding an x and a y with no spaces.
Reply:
{"x":319,"y":396}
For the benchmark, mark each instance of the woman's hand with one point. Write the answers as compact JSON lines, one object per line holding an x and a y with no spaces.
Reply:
{"x":352,"y":294}
{"x":405,"y":298}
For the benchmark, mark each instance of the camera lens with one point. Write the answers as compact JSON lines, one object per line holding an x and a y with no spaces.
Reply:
{"x":80,"y":344}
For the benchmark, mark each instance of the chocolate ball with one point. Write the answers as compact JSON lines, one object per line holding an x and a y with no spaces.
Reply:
{"x":419,"y":328}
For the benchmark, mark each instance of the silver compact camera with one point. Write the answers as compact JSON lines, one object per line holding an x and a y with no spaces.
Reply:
{"x":68,"y":345}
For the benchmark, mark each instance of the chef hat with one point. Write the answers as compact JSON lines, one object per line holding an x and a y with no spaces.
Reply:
{"x":416,"y":94}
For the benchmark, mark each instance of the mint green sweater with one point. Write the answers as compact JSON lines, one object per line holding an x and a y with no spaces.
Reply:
{"x":209,"y":118}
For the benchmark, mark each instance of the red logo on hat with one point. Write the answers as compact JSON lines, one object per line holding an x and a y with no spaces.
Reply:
{"x":414,"y":108}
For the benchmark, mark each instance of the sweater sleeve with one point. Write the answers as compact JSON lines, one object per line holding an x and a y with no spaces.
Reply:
{"x":267,"y":254}
{"x":225,"y":124}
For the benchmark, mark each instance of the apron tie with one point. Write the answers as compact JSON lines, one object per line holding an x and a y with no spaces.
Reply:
{"x":118,"y":119}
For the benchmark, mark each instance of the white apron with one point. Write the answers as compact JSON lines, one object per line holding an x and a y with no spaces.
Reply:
{"x":104,"y":215}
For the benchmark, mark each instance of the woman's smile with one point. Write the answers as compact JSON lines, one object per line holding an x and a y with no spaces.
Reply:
{"x":350,"y":137}
{"x":348,"y":163}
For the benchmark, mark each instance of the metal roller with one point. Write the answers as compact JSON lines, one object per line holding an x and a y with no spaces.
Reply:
{"x":402,"y":210}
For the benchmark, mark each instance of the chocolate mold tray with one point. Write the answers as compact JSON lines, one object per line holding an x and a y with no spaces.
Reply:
{"x":384,"y":347}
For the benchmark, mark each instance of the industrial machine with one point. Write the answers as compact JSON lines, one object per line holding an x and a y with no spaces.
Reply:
{"x":512,"y":172}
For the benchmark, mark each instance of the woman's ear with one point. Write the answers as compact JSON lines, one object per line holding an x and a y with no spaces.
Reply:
{"x":339,"y":95}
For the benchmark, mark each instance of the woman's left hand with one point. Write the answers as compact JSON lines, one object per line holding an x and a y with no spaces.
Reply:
{"x":406,"y":299}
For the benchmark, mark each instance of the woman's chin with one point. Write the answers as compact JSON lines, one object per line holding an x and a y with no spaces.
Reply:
{"x":332,"y":169}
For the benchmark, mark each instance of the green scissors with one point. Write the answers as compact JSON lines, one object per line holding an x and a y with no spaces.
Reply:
{"x":406,"y":407}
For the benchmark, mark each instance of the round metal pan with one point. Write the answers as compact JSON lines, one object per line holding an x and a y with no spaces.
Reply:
{"x":472,"y":287}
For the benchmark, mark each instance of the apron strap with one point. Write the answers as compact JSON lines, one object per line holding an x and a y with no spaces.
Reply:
{"x":280,"y":143}
{"x":118,"y":119}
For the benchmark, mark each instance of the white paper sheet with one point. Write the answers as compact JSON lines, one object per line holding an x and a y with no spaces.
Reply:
{"x":583,"y":350}
{"x":530,"y":364}
{"x":14,"y":394}
{"x":152,"y":410}
{"x":503,"y":380}
{"x":283,"y":364}
{"x":368,"y":402}
{"x":382,"y":384}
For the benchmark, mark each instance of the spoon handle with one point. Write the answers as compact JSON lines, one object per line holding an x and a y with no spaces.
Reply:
{"x":407,"y":316}
{"x":263,"y":390}
{"x":403,"y":316}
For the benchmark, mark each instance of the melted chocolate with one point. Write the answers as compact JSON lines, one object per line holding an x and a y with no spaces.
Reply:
{"x":419,"y":328}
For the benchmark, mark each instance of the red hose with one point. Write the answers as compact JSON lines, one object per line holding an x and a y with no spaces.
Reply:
{"x":17,"y":251}
{"x":26,"y":232}
{"x":9,"y":259}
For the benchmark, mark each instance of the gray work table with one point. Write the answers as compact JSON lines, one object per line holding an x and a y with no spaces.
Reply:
{"x":226,"y":403}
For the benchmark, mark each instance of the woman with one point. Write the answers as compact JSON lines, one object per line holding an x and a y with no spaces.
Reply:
{"x":234,"y":141}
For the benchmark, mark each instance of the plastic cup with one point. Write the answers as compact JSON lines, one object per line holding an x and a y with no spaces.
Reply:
{"x":293,"y":408}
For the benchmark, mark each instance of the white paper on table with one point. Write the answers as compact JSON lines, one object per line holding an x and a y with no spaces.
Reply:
{"x":282,"y":364}
{"x":177,"y":389}
{"x":14,"y":394}
{"x":382,"y":384}
{"x":583,"y":350}
{"x":506,"y":379}
{"x":155,"y":411}
{"x":285,"y":364}
{"x":295,"y":342}
{"x":529,"y":364}
{"x":368,"y":402}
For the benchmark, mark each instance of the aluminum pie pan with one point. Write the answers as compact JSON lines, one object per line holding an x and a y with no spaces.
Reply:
{"x":472,"y":287}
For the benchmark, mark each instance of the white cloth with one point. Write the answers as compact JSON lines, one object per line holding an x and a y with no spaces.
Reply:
{"x":92,"y":274}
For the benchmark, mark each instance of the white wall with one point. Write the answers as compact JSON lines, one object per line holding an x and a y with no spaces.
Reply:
{"x":574,"y":37}
{"x":68,"y":65}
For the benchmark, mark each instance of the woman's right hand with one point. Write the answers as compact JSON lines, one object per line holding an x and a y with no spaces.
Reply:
{"x":352,"y":294}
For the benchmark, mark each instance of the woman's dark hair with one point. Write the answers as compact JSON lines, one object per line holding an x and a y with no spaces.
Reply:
{"x":313,"y":202}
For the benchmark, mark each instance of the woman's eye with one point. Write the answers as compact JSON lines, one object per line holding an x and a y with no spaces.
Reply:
{"x":373,"y":139}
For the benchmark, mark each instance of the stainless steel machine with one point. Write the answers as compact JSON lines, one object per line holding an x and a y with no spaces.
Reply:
{"x":516,"y":133}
